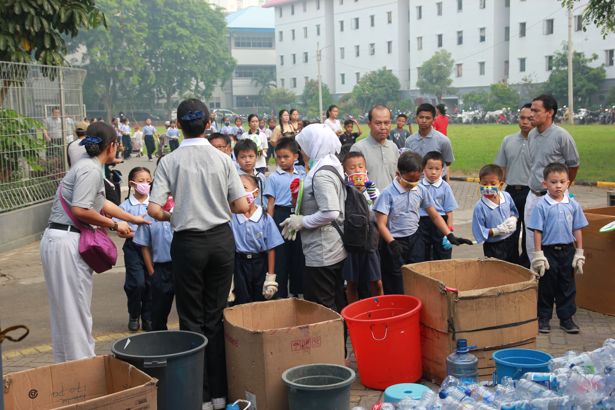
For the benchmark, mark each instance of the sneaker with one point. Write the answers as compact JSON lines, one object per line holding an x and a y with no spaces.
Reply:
{"x":208,"y":406}
{"x":146,"y":325}
{"x":219,"y":403}
{"x":544,"y":326}
{"x":133,"y":324}
{"x":568,"y":326}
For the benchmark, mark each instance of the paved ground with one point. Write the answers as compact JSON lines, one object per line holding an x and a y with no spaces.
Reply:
{"x":23,"y":299}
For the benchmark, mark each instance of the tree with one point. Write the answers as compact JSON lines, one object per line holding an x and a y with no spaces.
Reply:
{"x":434,"y":75}
{"x":376,"y":87}
{"x":610,"y":97}
{"x":264,"y":79}
{"x":587,"y":79}
{"x":279,"y":97}
{"x":601,"y":13}
{"x":475,"y":100}
{"x":501,"y":95}
{"x":309,"y":98}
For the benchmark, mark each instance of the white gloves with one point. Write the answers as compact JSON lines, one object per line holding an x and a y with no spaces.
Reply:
{"x":511,"y":223}
{"x":540,"y":264}
{"x":505,"y":228}
{"x":270,"y":287}
{"x":291,"y":226}
{"x":578,"y":261}
{"x":231,"y":292}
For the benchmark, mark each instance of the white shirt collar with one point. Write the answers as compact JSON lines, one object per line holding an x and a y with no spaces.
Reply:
{"x":134,"y":201}
{"x":400,"y":188}
{"x":552,"y":201}
{"x":426,"y":182}
{"x":188,"y":142}
{"x":254,"y":218}
{"x":492,"y":204}
{"x":282,"y":172}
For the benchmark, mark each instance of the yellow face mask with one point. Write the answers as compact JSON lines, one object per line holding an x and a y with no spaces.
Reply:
{"x":407,"y":184}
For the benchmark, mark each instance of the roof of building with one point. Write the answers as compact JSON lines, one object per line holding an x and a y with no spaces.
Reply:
{"x":274,"y":3}
{"x":251,"y":19}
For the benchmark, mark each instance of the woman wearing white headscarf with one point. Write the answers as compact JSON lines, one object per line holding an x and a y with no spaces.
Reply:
{"x":323,"y":205}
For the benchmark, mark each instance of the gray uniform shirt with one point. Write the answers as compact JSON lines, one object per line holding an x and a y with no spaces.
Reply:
{"x":202,"y":180}
{"x":434,"y":141}
{"x":54,"y":127}
{"x":82,"y":186}
{"x":381,"y":160}
{"x":514,"y":156}
{"x":555,"y":144}
{"x":323,"y":246}
{"x":76,"y":152}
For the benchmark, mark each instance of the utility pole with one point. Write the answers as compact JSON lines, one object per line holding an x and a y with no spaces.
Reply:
{"x":318,"y":58}
{"x":570,"y":68}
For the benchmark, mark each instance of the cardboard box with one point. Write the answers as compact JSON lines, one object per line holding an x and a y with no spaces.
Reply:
{"x":96,"y":383}
{"x":595,"y":286}
{"x":264,"y":339}
{"x":489,"y":302}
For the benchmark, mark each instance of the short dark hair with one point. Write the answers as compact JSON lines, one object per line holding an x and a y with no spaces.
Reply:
{"x":253,"y":180}
{"x":245,"y":145}
{"x":491,"y":169}
{"x":348,"y":122}
{"x":434,"y":156}
{"x":548,"y":101}
{"x":103,"y":131}
{"x":288,"y":143}
{"x":218,"y":135}
{"x":553,"y":168}
{"x":526,"y":105}
{"x":441,"y":108}
{"x":192,"y":127}
{"x":426,"y":107}
{"x":352,"y":154}
{"x":377,"y":107}
{"x":409,"y":162}
{"x":402,"y":115}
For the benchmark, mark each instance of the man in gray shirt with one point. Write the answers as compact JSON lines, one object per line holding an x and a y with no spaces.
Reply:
{"x":428,"y":139}
{"x":514,"y":157}
{"x":206,"y":188}
{"x":547,"y":144}
{"x":380,"y":153}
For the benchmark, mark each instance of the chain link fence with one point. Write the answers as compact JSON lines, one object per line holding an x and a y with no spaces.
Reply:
{"x":39,"y":107}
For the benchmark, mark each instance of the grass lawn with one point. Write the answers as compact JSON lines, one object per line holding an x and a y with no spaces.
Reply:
{"x":477,"y":145}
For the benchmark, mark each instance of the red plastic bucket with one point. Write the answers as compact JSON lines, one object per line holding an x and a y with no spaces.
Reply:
{"x":386,"y":340}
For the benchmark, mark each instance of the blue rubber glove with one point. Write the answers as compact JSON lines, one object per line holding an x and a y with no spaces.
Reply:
{"x":446,"y":245}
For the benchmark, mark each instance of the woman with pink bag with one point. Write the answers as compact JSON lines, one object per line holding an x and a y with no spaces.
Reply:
{"x":77,"y":206}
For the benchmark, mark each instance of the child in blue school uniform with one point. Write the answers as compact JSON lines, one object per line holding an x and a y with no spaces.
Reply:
{"x":173,"y":136}
{"x":137,"y":281}
{"x":495,"y":216}
{"x":246,"y":153}
{"x":155,"y":242}
{"x":289,"y":258}
{"x":557,"y":221}
{"x":435,"y":244}
{"x":397,"y":218}
{"x":256,"y":237}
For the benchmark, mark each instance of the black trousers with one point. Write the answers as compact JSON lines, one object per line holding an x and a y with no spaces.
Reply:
{"x":392,"y":280}
{"x":506,"y":249}
{"x":137,"y":283}
{"x":289,"y":259}
{"x":162,"y":294}
{"x":519,"y":195}
{"x":127,"y":143}
{"x":557,"y":285}
{"x":432,"y":240}
{"x":150,"y":145}
{"x":203,"y":264}
{"x":249,"y":277}
{"x":325,"y":286}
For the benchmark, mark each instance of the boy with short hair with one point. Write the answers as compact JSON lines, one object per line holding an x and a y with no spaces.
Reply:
{"x":557,"y":221}
{"x":348,"y":137}
{"x":246,"y":153}
{"x":221,"y":141}
{"x":289,"y":257}
{"x":397,"y":218}
{"x":436,"y":245}
{"x":399,"y":134}
{"x":495,"y":216}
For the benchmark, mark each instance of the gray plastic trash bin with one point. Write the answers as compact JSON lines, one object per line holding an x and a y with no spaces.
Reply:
{"x":319,"y":386}
{"x":175,"y":358}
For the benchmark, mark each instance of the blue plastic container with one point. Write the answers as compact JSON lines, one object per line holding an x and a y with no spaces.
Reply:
{"x":396,"y":392}
{"x":462,"y":364}
{"x":514,"y":363}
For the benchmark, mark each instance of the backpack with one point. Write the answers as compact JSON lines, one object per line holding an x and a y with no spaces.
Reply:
{"x":360,"y":234}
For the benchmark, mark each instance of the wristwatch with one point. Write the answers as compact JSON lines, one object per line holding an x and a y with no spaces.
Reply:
{"x":114,"y":227}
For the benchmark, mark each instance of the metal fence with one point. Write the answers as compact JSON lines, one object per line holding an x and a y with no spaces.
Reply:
{"x":39,"y":107}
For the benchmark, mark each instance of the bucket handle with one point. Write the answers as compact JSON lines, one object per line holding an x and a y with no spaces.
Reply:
{"x":148,"y":364}
{"x":386,"y":331}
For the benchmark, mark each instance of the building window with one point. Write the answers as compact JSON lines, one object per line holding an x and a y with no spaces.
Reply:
{"x":280,"y":11}
{"x":459,"y":5}
{"x":419,"y":43}
{"x":440,"y":40}
{"x":482,"y":4}
{"x":609,"y":57}
{"x":342,"y":53}
{"x":506,"y":68}
{"x":292,"y":34}
{"x":355,"y":23}
{"x":280,"y":35}
{"x":357,"y":76}
{"x":548,"y":27}
{"x":304,"y":32}
{"x":252,"y":71}
{"x":389,"y":47}
{"x":372,"y":20}
{"x":282,"y":82}
{"x":293,"y":82}
{"x":439,"y":8}
{"x":341,"y":2}
{"x":304,"y":6}
{"x":342,"y":78}
{"x":459,"y":70}
{"x":305,"y":57}
{"x":305,"y":80}
{"x":522,"y":29}
{"x":389,"y":17}
{"x":506,"y":3}
{"x":281,"y":60}
{"x":578,"y":23}
{"x":253,"y":41}
{"x":459,"y":38}
{"x":341,"y":25}
{"x":419,"y":12}
{"x":507,"y":33}
{"x":318,"y":30}
{"x":482,"y":36}
{"x":317,"y":4}
{"x":372,"y":49}
{"x":292,"y":9}
{"x":294,"y":59}
{"x":481,"y":68}
{"x":356,"y":51}
{"x":548,"y":63}
{"x":522,"y":65}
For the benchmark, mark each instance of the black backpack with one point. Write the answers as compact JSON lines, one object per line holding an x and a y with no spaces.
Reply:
{"x":360,"y":234}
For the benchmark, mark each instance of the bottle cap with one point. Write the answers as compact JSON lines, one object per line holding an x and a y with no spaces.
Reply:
{"x":462,"y":346}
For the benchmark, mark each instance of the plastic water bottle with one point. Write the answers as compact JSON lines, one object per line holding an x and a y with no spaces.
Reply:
{"x":549,"y":380}
{"x":530,"y":390}
{"x":482,"y":394}
{"x":462,"y":364}
{"x":562,"y":362}
{"x":407,"y":404}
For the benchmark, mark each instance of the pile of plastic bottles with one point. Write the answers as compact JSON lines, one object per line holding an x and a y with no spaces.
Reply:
{"x":576,"y":381}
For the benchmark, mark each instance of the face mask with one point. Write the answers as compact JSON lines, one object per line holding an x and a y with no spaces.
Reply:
{"x":251,"y":197}
{"x":142,"y":188}
{"x":489,"y":190}
{"x":407,"y":184}
{"x":358,"y":179}
{"x":227,"y":123}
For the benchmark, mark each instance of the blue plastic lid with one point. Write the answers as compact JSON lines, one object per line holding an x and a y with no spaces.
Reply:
{"x":396,"y":392}
{"x":232,"y":407}
{"x":462,"y":346}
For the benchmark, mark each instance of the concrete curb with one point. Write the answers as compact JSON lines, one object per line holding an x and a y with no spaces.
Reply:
{"x":598,"y":184}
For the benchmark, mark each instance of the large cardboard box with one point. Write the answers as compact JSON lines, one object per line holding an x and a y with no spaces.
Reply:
{"x":489,"y":302}
{"x":595,"y":286}
{"x":264,"y":339}
{"x":102,"y":382}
